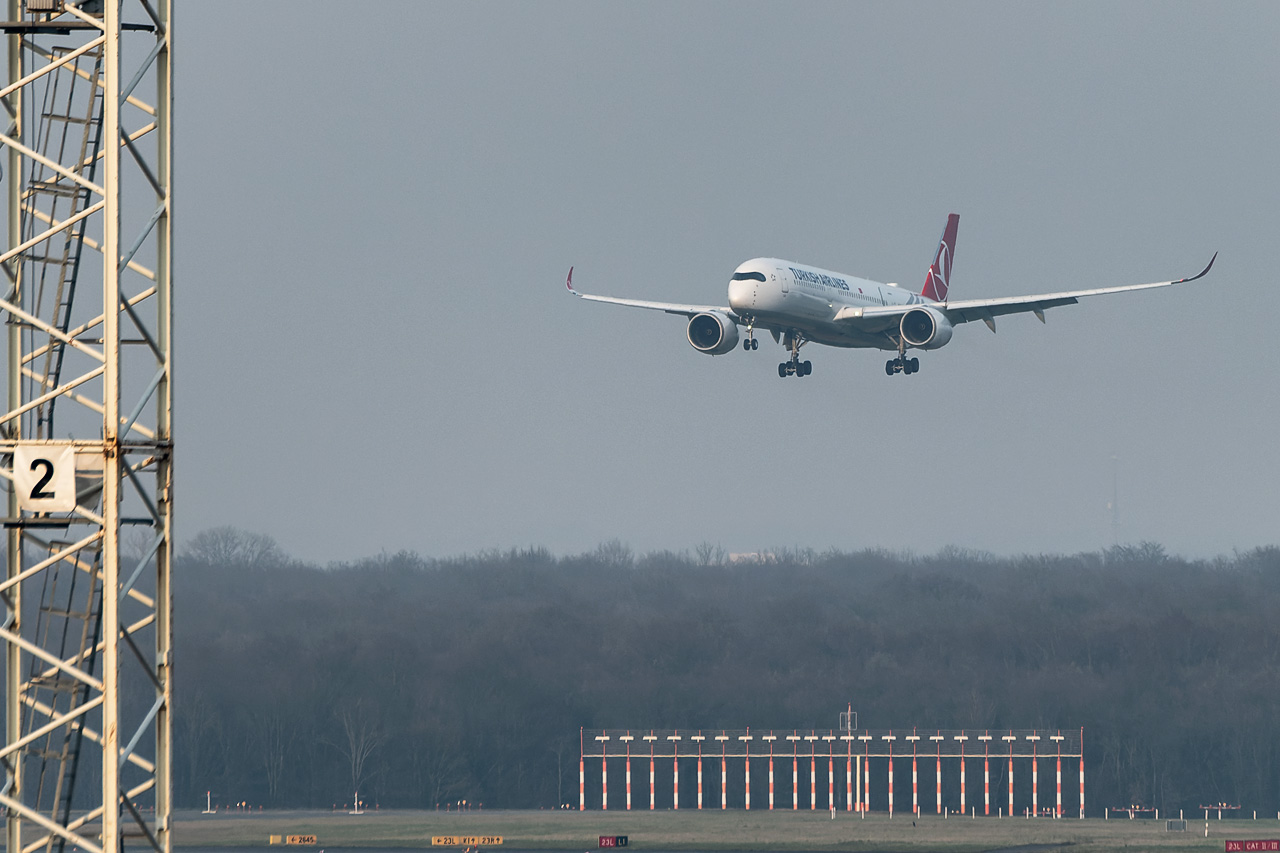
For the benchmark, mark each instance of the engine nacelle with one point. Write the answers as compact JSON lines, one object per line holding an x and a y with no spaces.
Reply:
{"x":925,"y":328}
{"x":713,"y":333}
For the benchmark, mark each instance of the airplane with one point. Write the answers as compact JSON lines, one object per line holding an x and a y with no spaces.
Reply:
{"x":800,"y":304}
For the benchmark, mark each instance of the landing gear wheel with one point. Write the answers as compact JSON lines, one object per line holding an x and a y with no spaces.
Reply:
{"x":915,"y":365}
{"x":782,"y":370}
{"x":793,"y":341}
{"x":888,"y":367}
{"x":746,"y":345}
{"x":755,"y":344}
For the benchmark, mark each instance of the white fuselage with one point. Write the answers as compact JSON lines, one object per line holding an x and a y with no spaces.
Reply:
{"x":784,"y":295}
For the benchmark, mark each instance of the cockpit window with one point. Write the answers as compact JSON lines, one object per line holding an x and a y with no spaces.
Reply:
{"x":748,"y":276}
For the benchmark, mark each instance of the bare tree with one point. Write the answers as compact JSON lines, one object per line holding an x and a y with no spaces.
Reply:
{"x":614,"y":553}
{"x":710,"y":555}
{"x":439,"y":767}
{"x":274,"y":737}
{"x":199,"y":732}
{"x":360,"y":738}
{"x":231,"y":546}
{"x":563,"y":747}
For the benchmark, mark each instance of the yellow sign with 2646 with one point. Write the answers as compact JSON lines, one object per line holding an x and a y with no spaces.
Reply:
{"x":465,"y":840}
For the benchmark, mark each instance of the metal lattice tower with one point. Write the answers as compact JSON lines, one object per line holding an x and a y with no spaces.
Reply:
{"x":87,"y":274}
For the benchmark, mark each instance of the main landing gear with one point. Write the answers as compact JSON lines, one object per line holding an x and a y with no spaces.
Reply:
{"x":795,"y":367}
{"x":906,"y":366}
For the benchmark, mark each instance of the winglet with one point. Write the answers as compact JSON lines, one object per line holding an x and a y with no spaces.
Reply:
{"x":1202,"y":272}
{"x":568,"y":282}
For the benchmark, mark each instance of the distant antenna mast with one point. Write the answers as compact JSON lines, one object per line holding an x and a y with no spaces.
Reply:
{"x":1114,"y":505}
{"x":849,"y":719}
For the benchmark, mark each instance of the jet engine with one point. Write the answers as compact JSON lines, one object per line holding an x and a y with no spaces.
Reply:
{"x":925,"y":328}
{"x":713,"y":333}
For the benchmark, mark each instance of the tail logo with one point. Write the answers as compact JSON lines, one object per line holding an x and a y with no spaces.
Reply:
{"x":938,"y":280}
{"x":939,"y":274}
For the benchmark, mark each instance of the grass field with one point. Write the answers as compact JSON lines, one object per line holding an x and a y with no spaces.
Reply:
{"x":712,"y":830}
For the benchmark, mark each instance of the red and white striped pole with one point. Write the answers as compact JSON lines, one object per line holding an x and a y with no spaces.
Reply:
{"x":890,"y":778}
{"x":1035,"y":785}
{"x":915,"y":747}
{"x":747,"y":777}
{"x":915,"y":784}
{"x":675,"y":778}
{"x":699,"y":738}
{"x":1010,"y":778}
{"x":582,"y":775}
{"x":1035,"y":778}
{"x":1082,"y":773}
{"x":986,"y":785}
{"x":699,"y":777}
{"x":628,"y":777}
{"x":1057,"y":809}
{"x":831,"y":783}
{"x":813,"y":779}
{"x":985,"y":737}
{"x":938,"y":783}
{"x":653,"y":788}
{"x":770,"y":777}
{"x":962,"y":739}
{"x":866,"y":775}
{"x":724,"y":780}
{"x":938,"y":774}
{"x":604,"y":783}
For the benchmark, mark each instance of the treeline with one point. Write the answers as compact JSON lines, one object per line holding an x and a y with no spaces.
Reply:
{"x":421,"y":681}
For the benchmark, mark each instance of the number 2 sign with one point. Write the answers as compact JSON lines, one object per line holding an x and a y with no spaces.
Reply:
{"x":45,"y":477}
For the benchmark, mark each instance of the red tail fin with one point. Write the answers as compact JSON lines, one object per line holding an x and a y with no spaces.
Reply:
{"x":938,"y":279}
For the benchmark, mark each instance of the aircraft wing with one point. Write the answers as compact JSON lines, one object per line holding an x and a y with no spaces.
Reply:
{"x":669,"y":307}
{"x":966,"y":310}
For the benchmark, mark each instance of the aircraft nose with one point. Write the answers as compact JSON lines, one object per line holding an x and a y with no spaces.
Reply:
{"x":741,"y":294}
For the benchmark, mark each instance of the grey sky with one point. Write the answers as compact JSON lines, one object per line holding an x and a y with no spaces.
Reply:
{"x":377,"y":206}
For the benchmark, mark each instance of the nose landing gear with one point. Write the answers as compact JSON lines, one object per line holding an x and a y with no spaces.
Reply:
{"x":750,"y":343}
